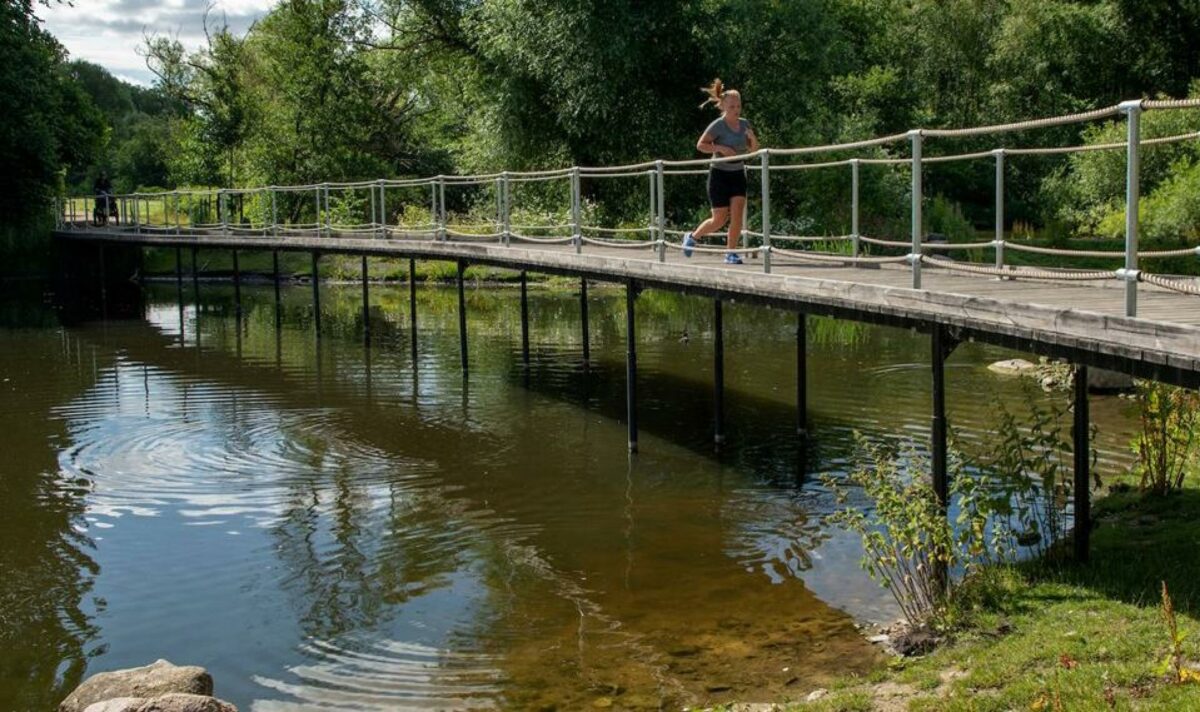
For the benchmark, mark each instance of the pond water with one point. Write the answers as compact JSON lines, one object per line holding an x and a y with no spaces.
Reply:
{"x":328,"y":525}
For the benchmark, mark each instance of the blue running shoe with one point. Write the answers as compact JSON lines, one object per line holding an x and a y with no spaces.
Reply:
{"x":688,"y":243}
{"x":731,"y":258}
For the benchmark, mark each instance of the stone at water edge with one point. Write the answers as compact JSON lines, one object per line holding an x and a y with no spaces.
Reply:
{"x":158,"y":678}
{"x":1012,"y":367}
{"x":816,"y":694}
{"x":174,"y":702}
{"x":1102,"y":380}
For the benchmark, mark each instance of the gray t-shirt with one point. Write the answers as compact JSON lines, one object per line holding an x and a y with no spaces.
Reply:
{"x":733,"y":138}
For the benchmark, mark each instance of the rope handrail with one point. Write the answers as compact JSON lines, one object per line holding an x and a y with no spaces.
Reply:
{"x":1076,"y":118}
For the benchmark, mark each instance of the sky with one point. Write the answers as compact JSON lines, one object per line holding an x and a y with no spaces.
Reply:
{"x":108,"y":32}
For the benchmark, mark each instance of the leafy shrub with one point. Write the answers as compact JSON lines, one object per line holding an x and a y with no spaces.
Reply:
{"x":1166,"y":445}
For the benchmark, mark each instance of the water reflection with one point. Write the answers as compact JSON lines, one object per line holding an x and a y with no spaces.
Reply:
{"x":325,"y":525}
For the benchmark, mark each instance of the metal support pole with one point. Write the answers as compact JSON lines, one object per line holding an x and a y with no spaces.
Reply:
{"x":524,"y":321}
{"x":137,"y":214}
{"x":653,"y":204}
{"x":178,"y":220}
{"x":275,"y":275}
{"x":802,"y":374}
{"x":505,"y":210}
{"x":854,"y":234}
{"x":462,"y":316}
{"x":179,"y":272}
{"x":366,"y":299}
{"x":237,"y":284}
{"x":1081,"y":432}
{"x":441,"y":189}
{"x":631,"y":364}
{"x":374,"y":208}
{"x":1133,"y":166}
{"x":382,"y":210}
{"x":328,"y":216}
{"x":317,"y":214}
{"x":766,"y":209}
{"x":718,"y":374}
{"x":918,"y":222}
{"x":196,"y":276}
{"x":583,"y":317}
{"x":999,"y":238}
{"x":576,"y":227}
{"x":274,"y":213}
{"x":938,"y":428}
{"x":316,"y":289}
{"x":941,"y":484}
{"x":222,"y":211}
{"x":412,"y":307}
{"x":660,"y":217}
{"x":433,"y":208}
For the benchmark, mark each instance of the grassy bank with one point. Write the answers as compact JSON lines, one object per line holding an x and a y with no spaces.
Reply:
{"x":1066,"y":636}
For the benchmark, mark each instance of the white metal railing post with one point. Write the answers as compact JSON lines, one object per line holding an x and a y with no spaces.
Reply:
{"x":854,"y":234}
{"x":653,"y":203}
{"x":505,"y":210}
{"x":1133,"y":189}
{"x":71,"y":211}
{"x":766,"y":209}
{"x":433,"y":212}
{"x":441,"y":207}
{"x":328,"y":215}
{"x":382,"y":212}
{"x":316,"y":216}
{"x":917,"y":218}
{"x":178,"y":219}
{"x":274,"y":213}
{"x":137,"y":213}
{"x":223,"y":211}
{"x":660,"y":217}
{"x":998,"y":241}
{"x":576,"y":227}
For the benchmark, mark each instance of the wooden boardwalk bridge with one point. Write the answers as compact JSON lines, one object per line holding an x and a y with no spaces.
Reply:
{"x":1124,"y":319}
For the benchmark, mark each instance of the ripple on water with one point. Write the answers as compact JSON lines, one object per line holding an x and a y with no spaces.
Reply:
{"x":385,"y":675}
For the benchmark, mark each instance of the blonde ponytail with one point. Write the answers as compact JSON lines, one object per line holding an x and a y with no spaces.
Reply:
{"x":715,"y":92}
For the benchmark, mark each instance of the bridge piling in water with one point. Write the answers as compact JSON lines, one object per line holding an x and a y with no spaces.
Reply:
{"x":1081,"y":434}
{"x":412,"y":309}
{"x":802,"y":374}
{"x":631,"y":290}
{"x":275,"y":278}
{"x":366,"y":299}
{"x":942,"y":345}
{"x":462,"y":317}
{"x":583,"y":317}
{"x":524,"y":321}
{"x":316,"y":289}
{"x":718,"y":375}
{"x":237,"y":286}
{"x":179,"y":272}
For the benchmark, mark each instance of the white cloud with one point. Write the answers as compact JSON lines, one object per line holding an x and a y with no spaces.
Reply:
{"x":108,"y":32}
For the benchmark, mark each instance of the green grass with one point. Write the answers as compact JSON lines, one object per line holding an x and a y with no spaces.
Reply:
{"x":1102,"y":618}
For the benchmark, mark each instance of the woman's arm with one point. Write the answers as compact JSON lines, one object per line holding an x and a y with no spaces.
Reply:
{"x":751,"y":140}
{"x":706,"y":145}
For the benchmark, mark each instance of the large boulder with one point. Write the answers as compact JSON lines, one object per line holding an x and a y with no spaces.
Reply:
{"x":158,"y":678}
{"x":174,"y":702}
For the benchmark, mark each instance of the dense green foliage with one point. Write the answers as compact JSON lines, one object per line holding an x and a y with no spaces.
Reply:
{"x":338,"y":89}
{"x":48,"y":124}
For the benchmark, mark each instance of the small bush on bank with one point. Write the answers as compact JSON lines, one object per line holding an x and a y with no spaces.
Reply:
{"x":1166,"y":444}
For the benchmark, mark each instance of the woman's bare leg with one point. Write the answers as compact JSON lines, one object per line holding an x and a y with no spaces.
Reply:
{"x":737,"y":207}
{"x":714,"y":223}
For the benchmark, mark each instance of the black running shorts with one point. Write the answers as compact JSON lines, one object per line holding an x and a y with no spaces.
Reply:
{"x":723,"y":185}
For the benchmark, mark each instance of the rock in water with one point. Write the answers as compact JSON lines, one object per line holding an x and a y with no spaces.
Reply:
{"x":154,"y":680}
{"x":1104,"y":381}
{"x":1012,"y":367}
{"x":174,"y":702}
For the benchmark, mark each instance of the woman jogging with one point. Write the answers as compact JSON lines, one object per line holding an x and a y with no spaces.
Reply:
{"x":729,"y":135}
